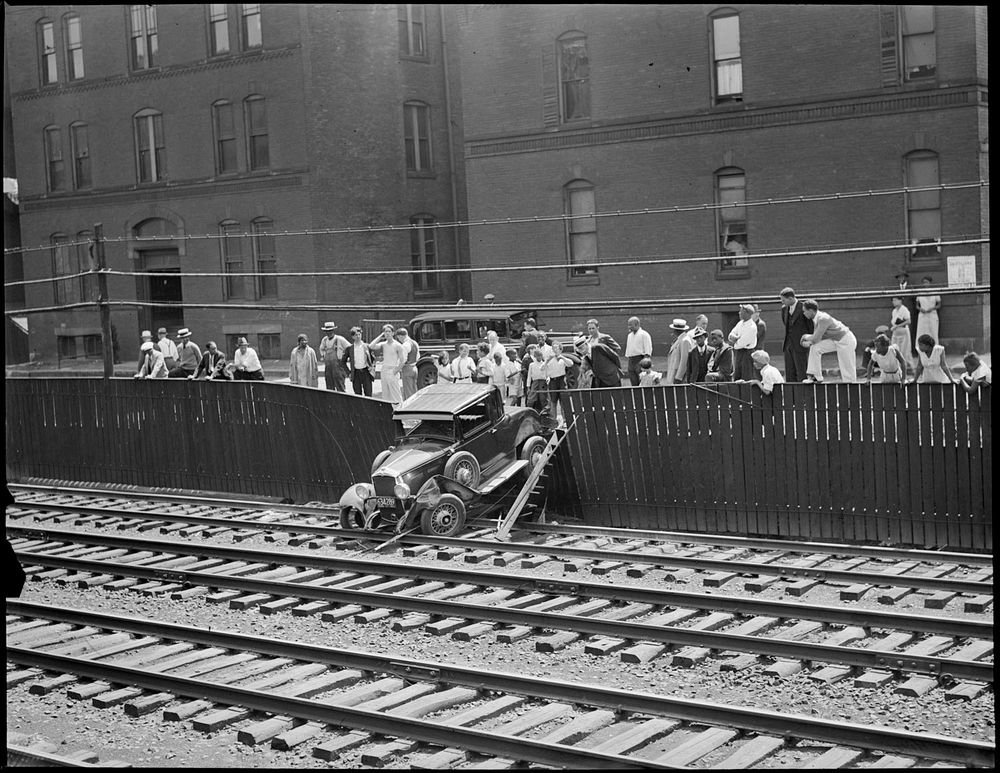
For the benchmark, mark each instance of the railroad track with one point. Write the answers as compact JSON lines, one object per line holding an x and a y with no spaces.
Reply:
{"x":432,"y":715}
{"x":638,"y":624}
{"x":889,"y":575}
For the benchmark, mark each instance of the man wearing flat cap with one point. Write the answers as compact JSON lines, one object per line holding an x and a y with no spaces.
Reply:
{"x":743,"y":338}
{"x":331,"y":354}
{"x":796,"y":325}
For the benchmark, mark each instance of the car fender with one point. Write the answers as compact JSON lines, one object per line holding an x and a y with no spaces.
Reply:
{"x":350,"y":498}
{"x":530,"y":424}
{"x":430,"y":493}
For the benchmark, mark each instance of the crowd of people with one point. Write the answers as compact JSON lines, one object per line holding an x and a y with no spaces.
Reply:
{"x":538,"y":371}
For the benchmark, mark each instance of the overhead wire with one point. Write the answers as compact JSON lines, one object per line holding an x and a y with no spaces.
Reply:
{"x":676,"y":209}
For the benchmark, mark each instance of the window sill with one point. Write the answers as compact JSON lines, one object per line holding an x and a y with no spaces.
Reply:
{"x":421,"y":174}
{"x":732,"y":273}
{"x":421,"y":58}
{"x":584,"y":279}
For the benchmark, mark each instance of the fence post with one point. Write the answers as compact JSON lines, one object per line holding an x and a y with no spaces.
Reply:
{"x":102,"y":301}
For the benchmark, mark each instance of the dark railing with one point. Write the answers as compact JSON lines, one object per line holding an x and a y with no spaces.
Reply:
{"x":242,"y":437}
{"x":842,"y":462}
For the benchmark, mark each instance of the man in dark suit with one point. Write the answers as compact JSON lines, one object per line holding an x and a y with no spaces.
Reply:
{"x":720,"y":362}
{"x":697,"y":369}
{"x":796,"y":325}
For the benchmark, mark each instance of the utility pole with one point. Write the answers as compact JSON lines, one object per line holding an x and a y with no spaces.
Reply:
{"x":102,"y":301}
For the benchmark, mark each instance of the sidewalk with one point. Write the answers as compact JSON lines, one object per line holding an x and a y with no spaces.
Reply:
{"x":277,"y":370}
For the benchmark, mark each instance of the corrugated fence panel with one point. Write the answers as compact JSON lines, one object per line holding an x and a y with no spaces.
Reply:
{"x":837,"y":462}
{"x":249,"y":438}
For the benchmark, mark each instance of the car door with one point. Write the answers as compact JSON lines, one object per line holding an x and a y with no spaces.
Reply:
{"x":481,"y":438}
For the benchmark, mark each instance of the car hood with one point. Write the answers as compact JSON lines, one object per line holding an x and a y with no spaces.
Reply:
{"x":411,"y":456}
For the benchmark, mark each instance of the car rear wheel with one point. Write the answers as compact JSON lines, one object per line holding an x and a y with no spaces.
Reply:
{"x":426,"y":375}
{"x":464,"y":468}
{"x":445,"y":519}
{"x":532,"y":449}
{"x":351,"y":519}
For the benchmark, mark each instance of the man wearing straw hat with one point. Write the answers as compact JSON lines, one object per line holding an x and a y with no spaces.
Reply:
{"x":188,"y":356}
{"x":677,"y":357}
{"x":331,"y":353}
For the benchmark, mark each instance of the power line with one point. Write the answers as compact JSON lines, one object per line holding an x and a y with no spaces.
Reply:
{"x":689,"y":302}
{"x":562,"y":266}
{"x":677,"y":209}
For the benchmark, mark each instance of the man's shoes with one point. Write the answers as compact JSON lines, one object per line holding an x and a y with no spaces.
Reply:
{"x":811,"y":380}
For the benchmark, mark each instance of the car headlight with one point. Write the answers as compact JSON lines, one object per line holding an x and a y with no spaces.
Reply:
{"x":401,"y":490}
{"x":363,"y":490}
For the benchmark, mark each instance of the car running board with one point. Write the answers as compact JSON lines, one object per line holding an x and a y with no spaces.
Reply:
{"x":504,"y":475}
{"x":507,"y":522}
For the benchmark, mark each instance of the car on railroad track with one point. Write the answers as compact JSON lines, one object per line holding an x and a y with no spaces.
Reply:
{"x":458,"y":450}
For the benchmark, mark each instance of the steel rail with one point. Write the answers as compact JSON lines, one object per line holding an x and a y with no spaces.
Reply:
{"x":637,"y":557}
{"x":24,"y":757}
{"x":376,"y":722}
{"x":883,"y":553}
{"x":695,"y":711}
{"x":930,"y":624}
{"x":594,"y":626}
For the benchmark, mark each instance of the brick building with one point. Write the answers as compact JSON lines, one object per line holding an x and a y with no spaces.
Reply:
{"x":197,"y":135}
{"x":574,"y":109}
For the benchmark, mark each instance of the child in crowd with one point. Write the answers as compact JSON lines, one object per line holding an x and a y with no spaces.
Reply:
{"x":887,"y":357}
{"x":648,"y":376}
{"x":977,"y":373}
{"x":499,"y":376}
{"x":769,"y":375}
{"x":484,"y":365}
{"x":445,"y":375}
{"x":555,"y":369}
{"x":515,"y":382}
{"x":537,"y":380}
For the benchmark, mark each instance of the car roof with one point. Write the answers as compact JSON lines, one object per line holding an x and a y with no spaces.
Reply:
{"x":493,"y":312}
{"x":442,"y":399}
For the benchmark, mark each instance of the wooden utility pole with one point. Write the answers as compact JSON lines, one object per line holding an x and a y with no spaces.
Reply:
{"x":102,"y":301}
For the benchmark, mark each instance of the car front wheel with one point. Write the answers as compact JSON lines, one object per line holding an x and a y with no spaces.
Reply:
{"x":532,"y":449}
{"x":351,"y":519}
{"x":445,"y":519}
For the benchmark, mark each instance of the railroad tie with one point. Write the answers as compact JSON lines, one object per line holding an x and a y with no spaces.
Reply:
{"x":694,"y":748}
{"x":331,"y":750}
{"x":626,"y":737}
{"x":399,"y":697}
{"x":366,"y":692}
{"x":535,"y":717}
{"x":751,"y":752}
{"x":116,"y":697}
{"x":978,"y":604}
{"x":435,"y":701}
{"x":384,"y":753}
{"x":147,"y":704}
{"x":940,"y":599}
{"x":855,"y":592}
{"x":264,"y":730}
{"x":411,"y":551}
{"x":689,"y":656}
{"x":45,"y":686}
{"x":446,"y":554}
{"x":837,"y":757}
{"x":297,"y":735}
{"x":894,"y":761}
{"x":411,"y":621}
{"x":213,"y":665}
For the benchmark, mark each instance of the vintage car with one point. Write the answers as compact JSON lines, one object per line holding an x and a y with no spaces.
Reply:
{"x":444,"y":331}
{"x":458,"y":448}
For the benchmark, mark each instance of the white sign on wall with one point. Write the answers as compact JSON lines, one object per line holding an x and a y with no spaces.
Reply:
{"x":961,"y":270}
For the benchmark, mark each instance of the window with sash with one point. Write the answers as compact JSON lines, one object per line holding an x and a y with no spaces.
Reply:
{"x":150,"y":149}
{"x":417,"y":136}
{"x":85,"y":261}
{"x":55,"y":165}
{"x":80,"y":143}
{"x":257,"y":138}
{"x":411,"y":30}
{"x":218,"y":28}
{"x":144,"y":44}
{"x":423,"y":253}
{"x":923,"y":208}
{"x":731,"y":220}
{"x":727,"y":61}
{"x":250,"y":26}
{"x":581,"y":232}
{"x":574,"y":76}
{"x":74,"y":46}
{"x":231,"y":247}
{"x":919,"y":45}
{"x":225,"y":137}
{"x":264,"y":257}
{"x":47,"y":65}
{"x":63,"y":260}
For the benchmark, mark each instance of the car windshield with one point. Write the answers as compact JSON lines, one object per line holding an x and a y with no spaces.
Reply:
{"x":437,"y":428}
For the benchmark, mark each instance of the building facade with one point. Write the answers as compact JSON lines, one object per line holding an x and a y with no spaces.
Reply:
{"x":576,"y":110}
{"x":232,"y":139}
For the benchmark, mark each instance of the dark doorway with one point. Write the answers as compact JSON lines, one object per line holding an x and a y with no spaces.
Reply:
{"x":163,"y":288}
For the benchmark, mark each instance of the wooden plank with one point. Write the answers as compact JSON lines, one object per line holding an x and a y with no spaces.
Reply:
{"x":913,"y":527}
{"x":949,"y":470}
{"x":939,"y":511}
{"x":963,"y":465}
{"x":736,"y":488}
{"x":718,"y":498}
{"x":921,"y":472}
{"x":748,"y":451}
{"x":985,"y":397}
{"x":883,"y":462}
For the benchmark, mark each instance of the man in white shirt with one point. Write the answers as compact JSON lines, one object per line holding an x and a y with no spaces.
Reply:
{"x":638,"y":346}
{"x":744,"y":340}
{"x":408,"y":367}
{"x":769,"y":375}
{"x":247,"y":363}
{"x":167,"y":348}
{"x":829,"y":335}
{"x":463,"y":366}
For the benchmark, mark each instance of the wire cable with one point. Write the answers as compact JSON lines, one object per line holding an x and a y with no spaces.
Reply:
{"x":676,"y":209}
